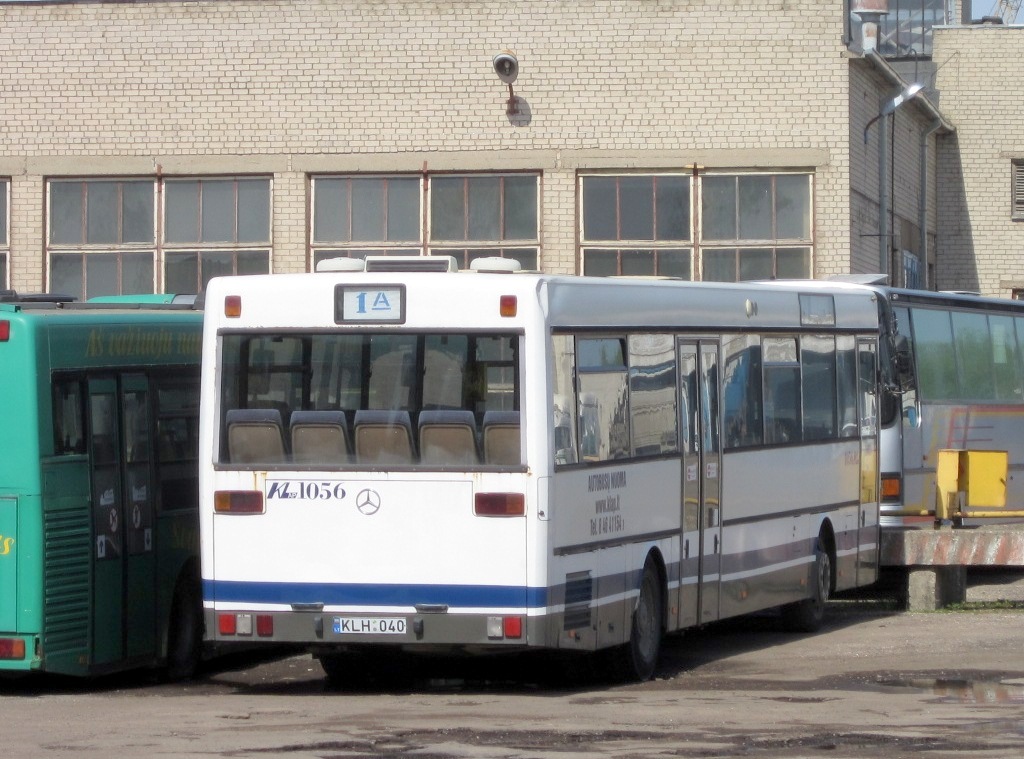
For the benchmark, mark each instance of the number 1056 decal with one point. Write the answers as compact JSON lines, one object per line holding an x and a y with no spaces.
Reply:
{"x":305,"y":490}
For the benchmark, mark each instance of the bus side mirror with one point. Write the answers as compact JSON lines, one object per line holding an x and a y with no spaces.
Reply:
{"x":903,"y":364}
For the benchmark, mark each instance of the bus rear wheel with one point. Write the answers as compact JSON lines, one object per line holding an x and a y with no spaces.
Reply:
{"x":808,"y":615}
{"x":185,"y":630}
{"x":638,"y":658}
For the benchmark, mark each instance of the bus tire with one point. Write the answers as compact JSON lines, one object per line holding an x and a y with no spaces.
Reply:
{"x":638,"y":658}
{"x":185,"y":630}
{"x":808,"y":615}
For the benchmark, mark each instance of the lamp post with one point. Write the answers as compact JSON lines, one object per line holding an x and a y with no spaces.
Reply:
{"x":884,"y":231}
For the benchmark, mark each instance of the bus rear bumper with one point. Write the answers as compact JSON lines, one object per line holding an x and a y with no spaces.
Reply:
{"x":332,"y":629}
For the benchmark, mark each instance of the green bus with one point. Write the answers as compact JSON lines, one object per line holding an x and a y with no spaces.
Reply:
{"x":99,"y":568}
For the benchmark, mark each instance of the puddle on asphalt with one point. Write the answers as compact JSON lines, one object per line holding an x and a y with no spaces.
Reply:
{"x":963,"y":691}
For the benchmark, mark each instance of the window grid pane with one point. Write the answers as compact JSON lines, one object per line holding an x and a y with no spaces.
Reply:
{"x":773,"y":208}
{"x":641,"y":208}
{"x":483,"y":209}
{"x":662,"y":262}
{"x":3,"y":218}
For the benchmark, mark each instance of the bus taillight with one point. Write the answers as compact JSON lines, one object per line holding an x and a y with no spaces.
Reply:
{"x":238,"y":502}
{"x":504,"y":627}
{"x":499,"y":505}
{"x":892,"y":487}
{"x":12,"y":648}
{"x":233,"y":306}
{"x":508,"y":305}
{"x":241,"y":624}
{"x":5,"y":330}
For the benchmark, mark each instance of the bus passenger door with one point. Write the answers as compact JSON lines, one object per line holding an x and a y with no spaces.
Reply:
{"x":140,"y":556}
{"x":868,"y":409}
{"x":701,"y":548}
{"x":108,"y":520}
{"x":124,"y":560}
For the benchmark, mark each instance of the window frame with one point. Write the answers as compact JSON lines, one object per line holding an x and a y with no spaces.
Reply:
{"x":207,"y":251}
{"x":527,"y":250}
{"x":773,"y":245}
{"x":157,"y":249}
{"x":1017,"y":189}
{"x":5,"y":233}
{"x":623,"y":247}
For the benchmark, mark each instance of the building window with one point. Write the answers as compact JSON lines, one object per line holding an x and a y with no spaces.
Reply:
{"x":755,"y":226}
{"x":101,"y":237}
{"x":479,"y":216}
{"x":102,"y":233}
{"x":468,"y":217}
{"x":1017,"y":190}
{"x":636,"y":225}
{"x":906,"y":30}
{"x":214,"y":227}
{"x":361,"y":216}
{"x":5,"y":244}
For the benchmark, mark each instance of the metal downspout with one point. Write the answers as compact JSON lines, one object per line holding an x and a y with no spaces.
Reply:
{"x":922,"y":211}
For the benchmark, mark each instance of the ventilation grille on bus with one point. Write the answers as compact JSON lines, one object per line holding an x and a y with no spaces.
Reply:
{"x":579,"y":592}
{"x":66,"y":573}
{"x":411,"y":263}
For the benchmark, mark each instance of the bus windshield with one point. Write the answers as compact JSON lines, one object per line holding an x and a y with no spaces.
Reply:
{"x":367,"y":398}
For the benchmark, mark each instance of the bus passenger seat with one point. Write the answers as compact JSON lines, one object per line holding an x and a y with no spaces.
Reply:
{"x":448,"y":437}
{"x":255,"y":436}
{"x":319,"y":437}
{"x":501,"y":437}
{"x":383,"y":437}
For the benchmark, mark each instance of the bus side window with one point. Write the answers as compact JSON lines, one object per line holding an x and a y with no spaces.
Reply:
{"x":741,"y":392}
{"x":564,"y":353}
{"x":68,"y":419}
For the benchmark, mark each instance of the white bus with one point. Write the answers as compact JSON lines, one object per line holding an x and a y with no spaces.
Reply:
{"x":955,"y":380}
{"x":478,"y":461}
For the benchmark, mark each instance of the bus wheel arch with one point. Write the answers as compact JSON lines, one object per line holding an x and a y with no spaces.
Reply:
{"x":808,"y":615}
{"x":638,"y":658}
{"x":185,"y":625}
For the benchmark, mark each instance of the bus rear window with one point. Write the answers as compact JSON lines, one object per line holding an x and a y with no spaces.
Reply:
{"x":374,"y":398}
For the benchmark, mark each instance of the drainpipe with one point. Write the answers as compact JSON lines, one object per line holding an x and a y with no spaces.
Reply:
{"x":922,"y":211}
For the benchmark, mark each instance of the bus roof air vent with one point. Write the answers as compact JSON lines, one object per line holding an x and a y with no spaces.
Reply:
{"x":340,"y":264}
{"x":411,"y":263}
{"x":495,"y":264}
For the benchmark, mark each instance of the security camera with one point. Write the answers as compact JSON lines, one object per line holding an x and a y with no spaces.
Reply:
{"x":506,"y":66}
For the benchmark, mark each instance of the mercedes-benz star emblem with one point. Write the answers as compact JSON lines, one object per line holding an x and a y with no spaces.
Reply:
{"x":368,"y":502}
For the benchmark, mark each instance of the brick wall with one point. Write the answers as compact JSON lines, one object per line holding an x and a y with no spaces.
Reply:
{"x":316,"y":85}
{"x":981,"y":76}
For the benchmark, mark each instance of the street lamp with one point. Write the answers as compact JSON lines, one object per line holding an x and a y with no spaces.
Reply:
{"x":884,"y":232}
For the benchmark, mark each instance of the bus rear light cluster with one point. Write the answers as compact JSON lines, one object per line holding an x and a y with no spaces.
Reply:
{"x":509,"y":628}
{"x":12,"y":648}
{"x":5,"y":330}
{"x":238,"y":502}
{"x":242,"y":625}
{"x":232,"y":306}
{"x":499,"y":505}
{"x":508,"y":305}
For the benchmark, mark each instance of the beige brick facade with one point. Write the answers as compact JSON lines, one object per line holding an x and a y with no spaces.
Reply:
{"x":293,"y":89}
{"x":981,"y":77}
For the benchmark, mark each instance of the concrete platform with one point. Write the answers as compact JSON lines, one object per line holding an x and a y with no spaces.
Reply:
{"x":937,"y":559}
